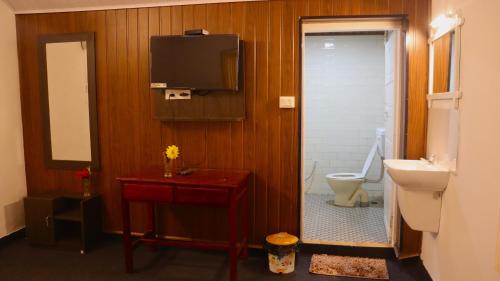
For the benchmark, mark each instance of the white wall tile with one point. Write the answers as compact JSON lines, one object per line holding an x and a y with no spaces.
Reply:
{"x":344,"y":102}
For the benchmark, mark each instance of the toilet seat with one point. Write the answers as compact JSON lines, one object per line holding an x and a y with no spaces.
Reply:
{"x":346,"y":176}
{"x":348,"y":187}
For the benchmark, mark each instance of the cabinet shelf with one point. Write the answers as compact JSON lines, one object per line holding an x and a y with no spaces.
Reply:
{"x":69,"y":215}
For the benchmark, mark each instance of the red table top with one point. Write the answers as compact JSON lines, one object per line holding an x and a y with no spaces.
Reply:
{"x":224,"y":178}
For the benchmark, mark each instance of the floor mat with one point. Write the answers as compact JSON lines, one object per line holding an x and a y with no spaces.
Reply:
{"x":349,"y":266}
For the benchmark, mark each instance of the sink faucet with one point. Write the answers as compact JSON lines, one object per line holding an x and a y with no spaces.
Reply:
{"x":432,"y":159}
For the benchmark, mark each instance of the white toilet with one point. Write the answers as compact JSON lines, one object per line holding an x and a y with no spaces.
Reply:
{"x":348,"y":186}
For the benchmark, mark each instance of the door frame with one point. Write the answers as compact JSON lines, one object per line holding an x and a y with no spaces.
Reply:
{"x":398,"y":23}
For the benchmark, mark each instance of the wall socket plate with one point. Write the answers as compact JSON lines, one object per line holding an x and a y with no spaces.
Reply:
{"x":287,"y":102}
{"x":175,"y":94}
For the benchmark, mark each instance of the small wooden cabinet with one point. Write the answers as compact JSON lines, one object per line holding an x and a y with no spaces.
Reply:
{"x":68,"y":221}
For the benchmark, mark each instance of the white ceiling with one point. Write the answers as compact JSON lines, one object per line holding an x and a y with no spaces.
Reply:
{"x":47,"y":6}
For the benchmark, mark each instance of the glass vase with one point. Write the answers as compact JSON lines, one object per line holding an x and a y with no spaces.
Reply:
{"x":86,"y":188}
{"x":169,"y":167}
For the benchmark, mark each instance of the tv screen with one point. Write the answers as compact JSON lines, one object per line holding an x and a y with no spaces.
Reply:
{"x":205,"y":62}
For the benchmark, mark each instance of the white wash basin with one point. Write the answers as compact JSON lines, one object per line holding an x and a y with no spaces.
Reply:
{"x":421,"y":185}
{"x":417,"y":174}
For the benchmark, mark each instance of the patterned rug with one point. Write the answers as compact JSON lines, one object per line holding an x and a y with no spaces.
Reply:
{"x":349,"y":266}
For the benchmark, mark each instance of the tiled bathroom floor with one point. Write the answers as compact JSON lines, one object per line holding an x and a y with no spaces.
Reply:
{"x":325,"y":222}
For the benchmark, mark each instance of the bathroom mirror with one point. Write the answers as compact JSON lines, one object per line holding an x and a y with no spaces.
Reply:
{"x":68,"y":100}
{"x":444,"y":64}
{"x":444,"y":58}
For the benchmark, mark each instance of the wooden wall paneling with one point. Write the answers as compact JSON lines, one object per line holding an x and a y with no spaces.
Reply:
{"x":326,"y":7}
{"x":148,"y":24}
{"x":109,"y":191}
{"x":261,"y":118}
{"x":134,"y":141}
{"x":293,"y":11}
{"x":341,"y":7}
{"x":250,"y":49}
{"x":267,"y":142}
{"x":274,"y":92}
{"x":104,"y":179}
{"x":374,"y":7}
{"x":314,"y":7}
{"x":27,"y":29}
{"x":152,"y":128}
{"x":151,"y":134}
{"x":417,"y":83}
{"x":289,"y":124}
{"x":295,"y":132}
{"x":119,"y":115}
{"x":135,"y":136}
{"x":238,"y":19}
{"x":396,"y":7}
{"x":358,"y":7}
{"x":121,"y":133}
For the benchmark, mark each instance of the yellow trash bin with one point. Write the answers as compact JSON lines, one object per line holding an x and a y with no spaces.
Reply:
{"x":281,"y":249}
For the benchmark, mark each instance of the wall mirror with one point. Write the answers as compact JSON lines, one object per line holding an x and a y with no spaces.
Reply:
{"x":68,"y":100}
{"x":444,"y":72}
{"x":444,"y":57}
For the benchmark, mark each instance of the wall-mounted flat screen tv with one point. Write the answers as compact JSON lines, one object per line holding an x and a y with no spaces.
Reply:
{"x":204,"y":62}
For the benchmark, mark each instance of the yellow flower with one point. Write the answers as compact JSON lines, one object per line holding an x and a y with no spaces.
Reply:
{"x":172,"y":152}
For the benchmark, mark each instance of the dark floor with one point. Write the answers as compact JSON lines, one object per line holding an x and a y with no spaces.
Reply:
{"x":20,"y":262}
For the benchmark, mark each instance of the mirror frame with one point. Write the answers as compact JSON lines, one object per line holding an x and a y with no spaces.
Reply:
{"x":456,"y":94}
{"x":44,"y":100}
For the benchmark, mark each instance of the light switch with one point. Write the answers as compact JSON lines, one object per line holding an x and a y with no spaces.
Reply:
{"x":287,"y":102}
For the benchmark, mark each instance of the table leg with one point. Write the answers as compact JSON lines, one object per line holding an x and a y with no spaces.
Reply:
{"x":244,"y":224}
{"x":233,"y":247}
{"x":127,"y":243}
{"x":152,"y":223}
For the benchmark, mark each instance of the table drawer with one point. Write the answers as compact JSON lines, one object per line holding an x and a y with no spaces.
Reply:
{"x":201,"y":195}
{"x":148,"y":192}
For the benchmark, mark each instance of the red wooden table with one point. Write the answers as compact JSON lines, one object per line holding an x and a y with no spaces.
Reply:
{"x":218,"y":188}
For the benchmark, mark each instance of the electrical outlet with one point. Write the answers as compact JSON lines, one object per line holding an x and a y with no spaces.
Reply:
{"x":287,"y":102}
{"x":171,"y":94}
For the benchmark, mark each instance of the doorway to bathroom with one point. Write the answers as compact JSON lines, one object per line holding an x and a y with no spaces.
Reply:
{"x":352,"y":78}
